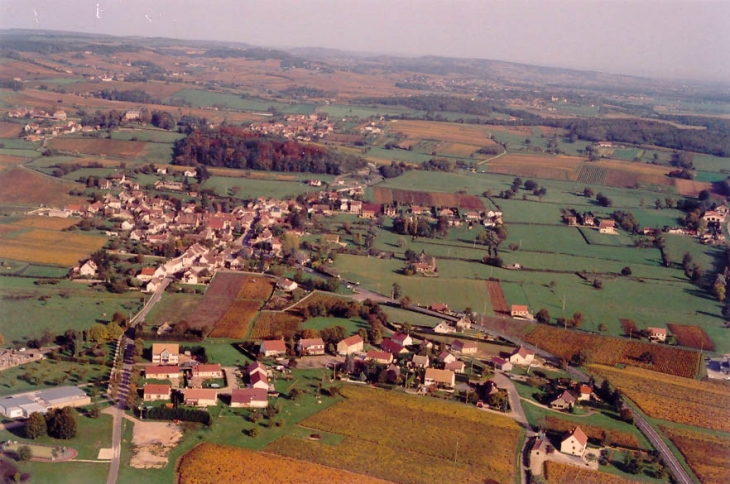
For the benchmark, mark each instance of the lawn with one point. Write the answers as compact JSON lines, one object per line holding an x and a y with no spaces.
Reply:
{"x":351,"y":325}
{"x":52,"y":373}
{"x":397,"y":315}
{"x":68,"y":472}
{"x":247,"y":188}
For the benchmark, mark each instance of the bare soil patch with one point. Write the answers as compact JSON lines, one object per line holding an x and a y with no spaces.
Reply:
{"x":691,"y":188}
{"x":152,"y":441}
{"x":496,"y":296}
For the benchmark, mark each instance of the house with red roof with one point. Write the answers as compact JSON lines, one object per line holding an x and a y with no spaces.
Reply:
{"x":162,"y":372}
{"x":657,"y":334}
{"x":382,"y":357}
{"x":565,"y":401}
{"x":272,"y":347}
{"x":519,"y":311}
{"x":310,"y":346}
{"x":258,"y":380}
{"x":348,"y":346}
{"x":249,"y":398}
{"x":153,"y":392}
{"x":522,"y":356}
{"x":392,"y":347}
{"x":402,"y":339}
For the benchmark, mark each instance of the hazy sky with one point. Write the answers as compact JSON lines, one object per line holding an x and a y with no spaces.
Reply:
{"x":659,"y":38}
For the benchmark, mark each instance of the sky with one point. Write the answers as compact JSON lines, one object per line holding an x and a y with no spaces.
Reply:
{"x":679,"y":39}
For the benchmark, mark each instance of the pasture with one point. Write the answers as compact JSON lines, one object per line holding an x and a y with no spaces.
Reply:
{"x":248,"y":188}
{"x":98,"y":147}
{"x":373,"y":442}
{"x":22,"y":187}
{"x":473,"y":135}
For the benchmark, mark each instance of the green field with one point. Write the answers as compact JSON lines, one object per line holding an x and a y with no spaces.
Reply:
{"x":153,"y":135}
{"x":199,"y":98}
{"x":351,"y":325}
{"x":52,"y":373}
{"x":66,"y":306}
{"x":252,"y":188}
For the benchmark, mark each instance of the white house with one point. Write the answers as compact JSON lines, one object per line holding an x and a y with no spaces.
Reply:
{"x":88,"y":268}
{"x":657,"y":334}
{"x":153,"y":392}
{"x":272,"y":347}
{"x":522,"y":356}
{"x":464,"y":347}
{"x":439,"y":377}
{"x":575,"y":443}
{"x":402,"y":339}
{"x":348,"y":346}
{"x":168,"y":353}
{"x":249,"y":398}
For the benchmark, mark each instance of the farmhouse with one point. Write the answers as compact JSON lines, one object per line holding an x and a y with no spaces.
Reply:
{"x":585,"y":393}
{"x":540,"y":450}
{"x":607,"y":227}
{"x":465,"y":347}
{"x":153,"y":392}
{"x":501,"y":364}
{"x":207,"y":371}
{"x":575,"y":443}
{"x":402,"y":339}
{"x":311,"y":346}
{"x":88,"y":269}
{"x":348,"y":346}
{"x":444,"y":328}
{"x":436,"y":377}
{"x":439,"y":308}
{"x":249,"y":398}
{"x":657,"y":334}
{"x":162,"y":372}
{"x":425,"y":264}
{"x":522,"y":356}
{"x":165,"y":353}
{"x":201,"y":397}
{"x":519,"y":311}
{"x":286,"y":285}
{"x":272,"y":347}
{"x":565,"y":401}
{"x":382,"y":357}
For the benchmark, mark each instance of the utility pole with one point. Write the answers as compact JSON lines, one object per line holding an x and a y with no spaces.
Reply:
{"x":563,"y":301}
{"x":456,"y":452}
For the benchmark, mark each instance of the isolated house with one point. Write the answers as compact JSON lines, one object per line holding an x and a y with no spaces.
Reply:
{"x":286,"y":285}
{"x":444,"y":328}
{"x":464,"y":347}
{"x":311,"y":346}
{"x":168,"y":353}
{"x":88,"y":268}
{"x":249,"y":398}
{"x":575,"y":443}
{"x":607,"y":227}
{"x":436,"y":377}
{"x":565,"y":401}
{"x":272,"y":347}
{"x":348,"y":346}
{"x":153,"y":392}
{"x":522,"y":356}
{"x":539,"y":452}
{"x":657,"y":334}
{"x":519,"y":311}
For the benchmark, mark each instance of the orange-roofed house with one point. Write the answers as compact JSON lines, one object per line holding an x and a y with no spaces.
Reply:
{"x":348,"y":346}
{"x":153,"y":392}
{"x":519,"y":311}
{"x":436,"y":377}
{"x":657,"y":334}
{"x":575,"y":443}
{"x":272,"y":347}
{"x":382,"y":357}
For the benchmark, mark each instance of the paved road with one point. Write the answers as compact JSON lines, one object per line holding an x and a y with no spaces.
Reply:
{"x":518,"y":414}
{"x":669,"y":458}
{"x":127,"y":365}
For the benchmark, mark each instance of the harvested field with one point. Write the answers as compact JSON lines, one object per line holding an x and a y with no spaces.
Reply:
{"x":256,"y":288}
{"x":428,"y":199}
{"x":475,"y":135}
{"x":236,"y":320}
{"x":375,"y":443}
{"x":456,"y":149}
{"x":691,"y":188}
{"x":9,"y":160}
{"x":25,"y":187}
{"x":621,"y":439}
{"x":703,"y":404}
{"x":226,"y":285}
{"x":50,"y":247}
{"x":275,"y":324}
{"x":533,"y":166}
{"x":496,"y":296}
{"x":9,"y":229}
{"x":692,"y":336}
{"x":222,"y":464}
{"x":592,"y":174}
{"x":557,"y":473}
{"x":706,"y":454}
{"x":100,"y":147}
{"x":612,"y":351}
{"x":10,"y":130}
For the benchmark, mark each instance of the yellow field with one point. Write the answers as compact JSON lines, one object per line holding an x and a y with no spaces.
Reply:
{"x":706,"y":454}
{"x":672,"y":398}
{"x":456,"y":149}
{"x":639,"y":168}
{"x":49,"y":223}
{"x":50,"y":247}
{"x":222,"y":464}
{"x":548,"y":167}
{"x":410,"y":439}
{"x":25,"y":187}
{"x":466,"y":134}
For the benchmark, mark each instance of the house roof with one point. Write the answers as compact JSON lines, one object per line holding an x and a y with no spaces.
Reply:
{"x":444,"y":354}
{"x":147,"y":271}
{"x":607,"y":224}
{"x":248,"y":395}
{"x":567,"y":397}
{"x":420,"y":360}
{"x":201,"y":394}
{"x":585,"y":390}
{"x":309,"y":342}
{"x":207,"y":368}
{"x":439,"y":307}
{"x":541,"y":445}
{"x":579,"y":435}
{"x":498,"y":361}
{"x":378,"y":355}
{"x":171,"y":348}
{"x":352,"y":340}
{"x":519,"y":308}
{"x":657,"y":330}
{"x":441,"y":376}
{"x":161,"y":370}
{"x":391,"y":346}
{"x":257,"y":377}
{"x":273,"y":345}
{"x":459,"y":345}
{"x":156,"y":389}
{"x":523,"y":352}
{"x":454,"y":365}
{"x":256,"y":365}
{"x":399,"y":336}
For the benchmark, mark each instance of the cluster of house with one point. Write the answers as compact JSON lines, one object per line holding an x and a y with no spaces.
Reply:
{"x":22,"y":405}
{"x":587,"y":219}
{"x":568,"y":398}
{"x":253,"y":396}
{"x":302,"y":127}
{"x":454,"y":216}
{"x":51,"y":125}
{"x":154,"y":222}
